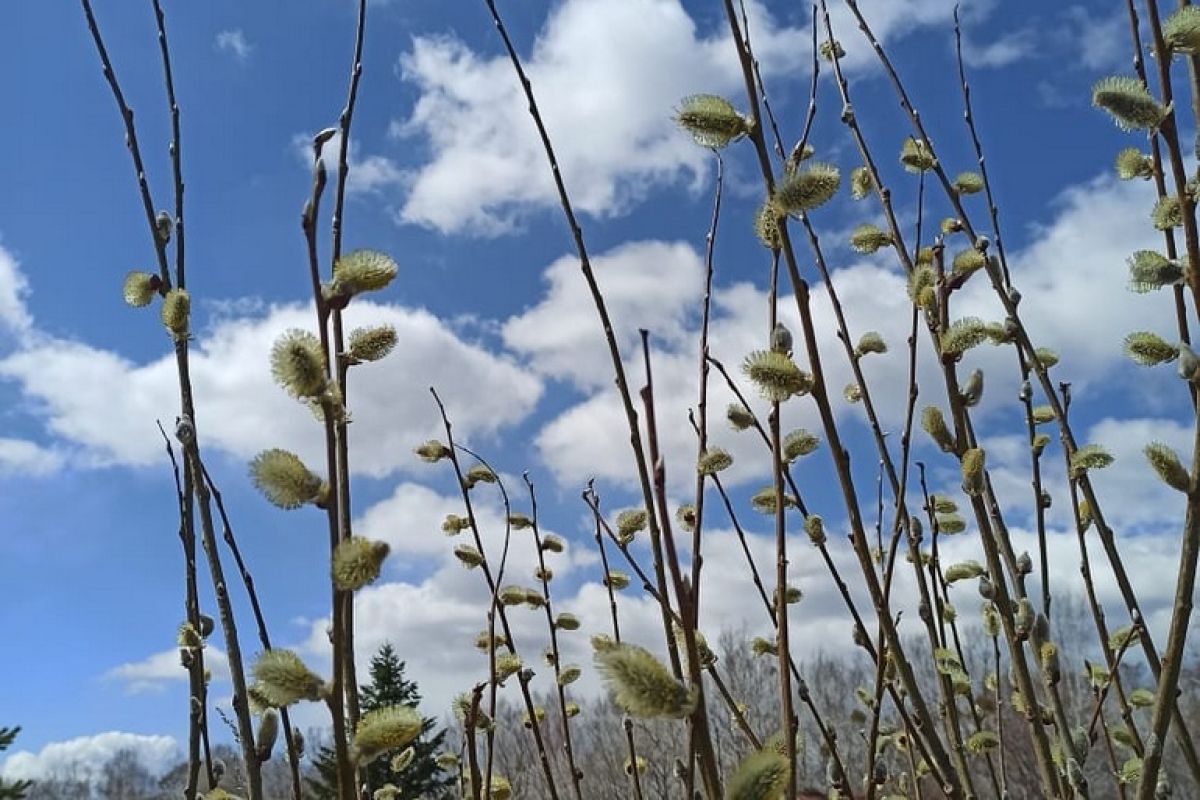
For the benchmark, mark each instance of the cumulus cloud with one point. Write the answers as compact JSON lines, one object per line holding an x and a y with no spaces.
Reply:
{"x":85,"y":756}
{"x":14,"y":315}
{"x":365,"y":175}
{"x":242,"y":411}
{"x":234,"y":43}
{"x":436,"y":599}
{"x":607,"y":76}
{"x":1095,"y":226}
{"x":155,"y":672}
{"x":1001,"y":51}
{"x":22,"y":457}
{"x":448,"y":606}
{"x":1102,"y":41}
{"x":647,"y":284}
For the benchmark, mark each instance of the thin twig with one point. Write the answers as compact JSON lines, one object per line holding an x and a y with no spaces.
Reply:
{"x":699,"y":734}
{"x":585,"y":267}
{"x":552,"y":626}
{"x":264,"y":637}
{"x":593,"y":501}
{"x":493,"y":589}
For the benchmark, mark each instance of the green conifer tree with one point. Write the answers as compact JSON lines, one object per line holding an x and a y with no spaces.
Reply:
{"x":422,"y":779}
{"x":8,"y":790}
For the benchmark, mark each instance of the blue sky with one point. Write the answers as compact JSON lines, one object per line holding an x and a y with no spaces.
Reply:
{"x":447,"y":178}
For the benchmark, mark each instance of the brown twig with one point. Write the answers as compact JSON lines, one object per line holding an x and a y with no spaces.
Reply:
{"x":264,"y":637}
{"x":699,"y":734}
{"x":585,"y":267}
{"x":493,"y":589}
{"x":197,"y":686}
{"x":939,"y":761}
{"x":349,"y":677}
{"x":186,"y":428}
{"x":593,"y":501}
{"x":552,"y":626}
{"x":336,"y":701}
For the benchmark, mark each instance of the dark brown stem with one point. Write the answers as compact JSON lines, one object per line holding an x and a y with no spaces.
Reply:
{"x":493,"y":588}
{"x":551,"y":625}
{"x":469,"y":724}
{"x":699,"y":734}
{"x":1166,"y":708}
{"x":233,"y":650}
{"x":131,"y":142}
{"x":939,"y":761}
{"x":293,"y":753}
{"x":593,"y":501}
{"x":493,"y":680}
{"x":336,"y":701}
{"x":349,"y":677}
{"x":585,"y":267}
{"x":186,"y":428}
{"x":197,"y":685}
{"x":175,"y":146}
{"x":701,"y":416}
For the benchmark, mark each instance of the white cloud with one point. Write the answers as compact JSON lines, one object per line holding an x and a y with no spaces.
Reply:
{"x":1007,"y":49}
{"x":448,"y":607}
{"x":235,"y":43}
{"x":1102,"y":42}
{"x":650,"y":284}
{"x":1132,"y":496}
{"x":153,"y":673}
{"x":85,"y":756}
{"x":240,"y":409}
{"x":1074,"y":280}
{"x":365,"y":175}
{"x":446,"y":604}
{"x":607,"y":76}
{"x":1082,"y":249}
{"x":14,"y":316}
{"x":21,"y":457}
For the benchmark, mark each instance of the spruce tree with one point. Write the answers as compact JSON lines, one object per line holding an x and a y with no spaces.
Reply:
{"x":422,"y":779}
{"x":13,"y":791}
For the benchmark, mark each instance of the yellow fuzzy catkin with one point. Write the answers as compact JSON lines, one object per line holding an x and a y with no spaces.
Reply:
{"x":972,"y":470}
{"x":385,"y":729}
{"x":776,"y":375}
{"x":762,"y":775}
{"x":1170,"y":469}
{"x":799,"y":443}
{"x":283,"y":679}
{"x":915,"y":155}
{"x":711,"y":120}
{"x":432,"y":451}
{"x":861,"y":183}
{"x":139,"y":288}
{"x":500,"y":789}
{"x":713,"y":461}
{"x":808,"y":188}
{"x":1129,"y":103}
{"x":1181,"y":30}
{"x":629,"y":523}
{"x":362,"y":271}
{"x":298,"y":364}
{"x":268,"y":733}
{"x":283,"y":479}
{"x":740,"y":418}
{"x":356,"y":562}
{"x":176,"y":310}
{"x":401,"y":762}
{"x":641,"y":685}
{"x":371,"y":344}
{"x":934,"y":424}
